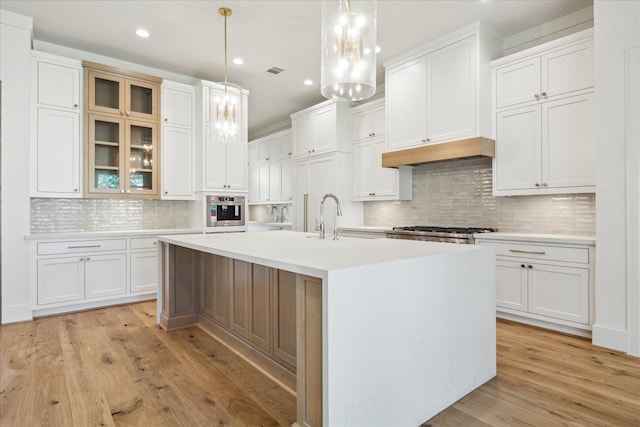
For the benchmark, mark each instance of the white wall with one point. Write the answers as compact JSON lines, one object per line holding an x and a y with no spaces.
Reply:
{"x":15,"y":59}
{"x":617,"y":29}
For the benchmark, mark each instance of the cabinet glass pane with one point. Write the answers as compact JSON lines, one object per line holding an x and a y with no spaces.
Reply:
{"x":141,"y":159}
{"x":107,"y":178}
{"x":140,"y":180}
{"x":107,"y":155}
{"x":141,"y":136}
{"x":141,"y":99}
{"x":107,"y":93}
{"x":107,"y":132}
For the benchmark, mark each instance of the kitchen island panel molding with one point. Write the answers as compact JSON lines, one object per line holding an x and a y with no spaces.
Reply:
{"x":410,"y":287}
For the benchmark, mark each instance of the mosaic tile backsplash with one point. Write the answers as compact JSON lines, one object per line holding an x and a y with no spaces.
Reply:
{"x":459,"y":193}
{"x":75,"y":215}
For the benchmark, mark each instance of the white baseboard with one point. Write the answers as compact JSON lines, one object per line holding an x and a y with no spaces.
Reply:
{"x":613,"y":338}
{"x":16,"y":313}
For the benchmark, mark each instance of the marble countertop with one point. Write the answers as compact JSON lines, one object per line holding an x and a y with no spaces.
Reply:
{"x":103,"y":234}
{"x":542,"y":238}
{"x":305,"y":253}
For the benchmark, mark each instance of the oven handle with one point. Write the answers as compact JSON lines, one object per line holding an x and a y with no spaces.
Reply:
{"x":522,"y":251}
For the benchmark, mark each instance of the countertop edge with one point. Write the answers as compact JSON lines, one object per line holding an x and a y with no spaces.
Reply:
{"x":542,"y":238}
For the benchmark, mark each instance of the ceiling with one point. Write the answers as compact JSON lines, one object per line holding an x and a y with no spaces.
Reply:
{"x":187,"y":37}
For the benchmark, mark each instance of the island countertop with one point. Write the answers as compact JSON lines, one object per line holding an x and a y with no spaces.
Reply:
{"x":305,"y":253}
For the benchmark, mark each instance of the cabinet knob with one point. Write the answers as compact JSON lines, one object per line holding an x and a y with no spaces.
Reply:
{"x":88,"y":259}
{"x":426,"y":140}
{"x":166,"y":120}
{"x":128,"y":191}
{"x":166,"y":192}
{"x":537,"y":184}
{"x":536,"y":96}
{"x":530,"y":266}
{"x":75,"y":105}
{"x":544,"y":184}
{"x":128,"y":112}
{"x":373,"y":134}
{"x":81,"y":259}
{"x":544,"y":94}
{"x":75,"y":189}
{"x":522,"y":266}
{"x":313,"y":151}
{"x":121,"y":190}
{"x":266,"y":158}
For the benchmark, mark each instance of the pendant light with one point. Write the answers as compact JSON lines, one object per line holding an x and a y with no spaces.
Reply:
{"x":348,"y":70}
{"x":226,"y":101}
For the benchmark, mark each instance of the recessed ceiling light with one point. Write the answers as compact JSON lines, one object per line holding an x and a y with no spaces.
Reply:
{"x":141,"y":32}
{"x":308,"y":82}
{"x":238,"y":61}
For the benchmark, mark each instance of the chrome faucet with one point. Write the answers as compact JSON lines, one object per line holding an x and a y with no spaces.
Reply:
{"x":338,"y":213}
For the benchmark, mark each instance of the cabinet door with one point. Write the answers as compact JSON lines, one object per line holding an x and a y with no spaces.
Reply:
{"x":143,"y":272}
{"x":451,"y":99}
{"x":141,"y":99}
{"x":260,"y":307}
{"x":106,"y":154}
{"x":215,"y":295}
{"x":275,"y":149}
{"x":567,"y":70}
{"x":325,"y":129}
{"x":518,"y":149}
{"x":568,"y":142}
{"x":284,"y":317}
{"x":511,"y":285}
{"x":216,"y":165}
{"x":58,"y":85}
{"x":287,"y":180}
{"x":240,"y":288}
{"x":57,"y":169}
{"x":378,"y":124}
{"x":275,"y":181}
{"x":106,"y":93}
{"x":60,"y":280}
{"x":303,"y":135}
{"x":253,"y":153}
{"x":177,"y":163}
{"x":254,"y":184}
{"x":518,"y":83}
{"x":141,"y":160}
{"x":286,"y":146}
{"x":264,"y":183}
{"x":264,"y":150}
{"x":105,"y":275}
{"x":361,"y":125}
{"x":237,"y":166}
{"x":177,"y":106}
{"x":406,"y":104}
{"x":559,"y":292}
{"x":385,"y":180}
{"x":362,"y":173}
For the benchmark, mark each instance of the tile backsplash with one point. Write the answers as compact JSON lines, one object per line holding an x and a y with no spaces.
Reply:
{"x":75,"y":215}
{"x":459,"y":193}
{"x":269,"y":213}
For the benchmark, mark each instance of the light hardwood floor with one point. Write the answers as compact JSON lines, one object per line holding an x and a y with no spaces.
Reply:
{"x":116,"y":367}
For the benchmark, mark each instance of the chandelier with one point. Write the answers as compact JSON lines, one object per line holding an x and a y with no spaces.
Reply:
{"x":348,"y":70}
{"x":226,"y":101}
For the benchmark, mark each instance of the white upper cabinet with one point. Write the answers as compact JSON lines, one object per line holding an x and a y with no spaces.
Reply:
{"x":368,"y":121}
{"x":545,"y":75}
{"x":177,"y":172}
{"x":270,"y":168}
{"x":56,"y":127}
{"x":58,"y":83}
{"x":441,"y":92}
{"x":320,"y":129}
{"x":177,"y":104}
{"x":545,"y":139}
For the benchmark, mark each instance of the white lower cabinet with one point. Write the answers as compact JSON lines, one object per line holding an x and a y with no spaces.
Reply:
{"x":71,"y":275}
{"x":547,"y":283}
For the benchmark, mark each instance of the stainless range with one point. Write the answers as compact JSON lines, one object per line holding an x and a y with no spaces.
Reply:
{"x":437,"y":234}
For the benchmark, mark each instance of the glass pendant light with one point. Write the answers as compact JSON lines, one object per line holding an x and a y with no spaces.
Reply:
{"x":348,"y":71}
{"x":226,"y":101}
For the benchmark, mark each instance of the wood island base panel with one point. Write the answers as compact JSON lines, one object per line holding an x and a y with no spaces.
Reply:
{"x":353,"y":328}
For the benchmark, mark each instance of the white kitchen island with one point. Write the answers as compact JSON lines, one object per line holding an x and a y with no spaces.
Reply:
{"x":406,"y":329}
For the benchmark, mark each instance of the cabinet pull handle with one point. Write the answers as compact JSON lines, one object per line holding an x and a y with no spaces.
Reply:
{"x":83,"y":246}
{"x":522,"y":251}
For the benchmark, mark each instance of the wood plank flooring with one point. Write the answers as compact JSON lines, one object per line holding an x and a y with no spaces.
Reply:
{"x":115,"y":366}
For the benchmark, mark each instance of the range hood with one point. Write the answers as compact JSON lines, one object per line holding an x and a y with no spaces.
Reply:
{"x":470,"y":147}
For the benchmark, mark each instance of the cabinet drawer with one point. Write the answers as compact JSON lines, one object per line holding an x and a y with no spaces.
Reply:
{"x":542,"y":252}
{"x":81,"y":246}
{"x":144,"y":243}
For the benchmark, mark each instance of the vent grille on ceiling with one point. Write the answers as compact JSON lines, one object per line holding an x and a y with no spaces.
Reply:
{"x":275,"y":70}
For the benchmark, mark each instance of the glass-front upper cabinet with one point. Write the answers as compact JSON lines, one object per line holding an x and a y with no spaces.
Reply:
{"x":122,"y":139}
